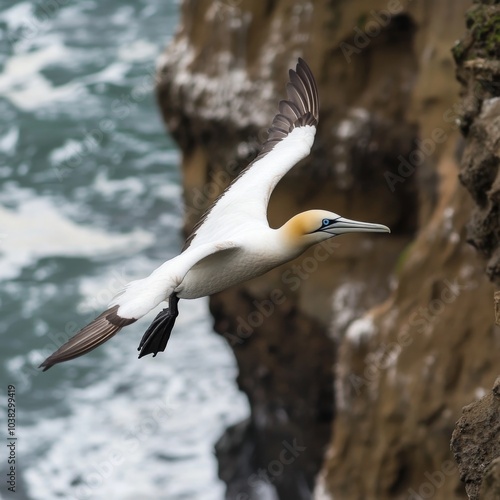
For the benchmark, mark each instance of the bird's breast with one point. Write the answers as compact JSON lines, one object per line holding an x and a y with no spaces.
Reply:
{"x":220,"y":271}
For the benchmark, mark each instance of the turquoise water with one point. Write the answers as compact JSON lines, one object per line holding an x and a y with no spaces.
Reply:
{"x":90,"y":198}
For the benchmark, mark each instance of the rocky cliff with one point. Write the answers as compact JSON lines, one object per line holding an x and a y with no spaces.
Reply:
{"x":362,"y":351}
{"x":476,"y":439}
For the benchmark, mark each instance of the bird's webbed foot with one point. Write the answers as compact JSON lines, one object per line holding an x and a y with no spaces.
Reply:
{"x":156,"y":336}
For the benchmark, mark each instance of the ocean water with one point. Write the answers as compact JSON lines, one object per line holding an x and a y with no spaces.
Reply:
{"x":90,"y":198}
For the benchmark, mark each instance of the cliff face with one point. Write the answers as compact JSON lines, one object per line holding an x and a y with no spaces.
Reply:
{"x":476,"y":439}
{"x":386,"y":337}
{"x":478,"y":62}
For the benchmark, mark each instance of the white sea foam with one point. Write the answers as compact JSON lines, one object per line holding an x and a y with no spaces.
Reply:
{"x":8,"y":141}
{"x":143,"y":422}
{"x":17,"y":15}
{"x":38,"y":229}
{"x":22,"y":83}
{"x":138,"y":50}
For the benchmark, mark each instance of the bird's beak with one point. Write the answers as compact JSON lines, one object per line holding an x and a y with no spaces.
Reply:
{"x":342,"y":225}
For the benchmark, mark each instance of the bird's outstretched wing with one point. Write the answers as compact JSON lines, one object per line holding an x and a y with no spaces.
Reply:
{"x":290,"y":140}
{"x":101,"y":329}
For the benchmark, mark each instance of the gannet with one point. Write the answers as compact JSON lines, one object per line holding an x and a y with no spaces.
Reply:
{"x":233,"y":241}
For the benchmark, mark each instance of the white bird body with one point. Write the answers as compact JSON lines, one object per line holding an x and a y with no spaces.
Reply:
{"x":232,"y":242}
{"x":236,"y":228}
{"x":253,"y":255}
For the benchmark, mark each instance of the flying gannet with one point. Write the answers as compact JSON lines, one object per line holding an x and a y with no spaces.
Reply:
{"x":232,"y":242}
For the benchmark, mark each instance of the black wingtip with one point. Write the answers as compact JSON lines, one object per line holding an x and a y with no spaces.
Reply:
{"x":45,"y":365}
{"x":302,"y":63}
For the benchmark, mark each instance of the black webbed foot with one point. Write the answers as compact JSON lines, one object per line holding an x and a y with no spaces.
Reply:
{"x":156,"y":336}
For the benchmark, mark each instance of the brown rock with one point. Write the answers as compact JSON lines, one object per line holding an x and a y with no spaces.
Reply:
{"x":497,"y":308}
{"x":478,"y":69}
{"x":476,"y":444}
{"x":490,"y":488}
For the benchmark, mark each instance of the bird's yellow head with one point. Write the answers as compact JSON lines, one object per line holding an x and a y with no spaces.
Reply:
{"x":313,"y":226}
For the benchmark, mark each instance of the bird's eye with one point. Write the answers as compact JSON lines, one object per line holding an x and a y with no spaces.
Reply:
{"x":326,"y":222}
